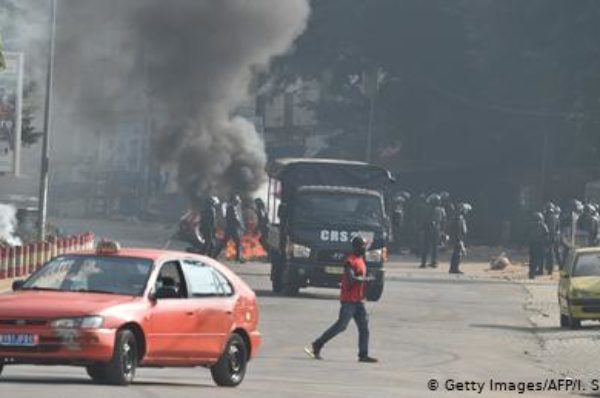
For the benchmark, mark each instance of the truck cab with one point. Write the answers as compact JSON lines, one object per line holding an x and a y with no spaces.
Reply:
{"x":317,"y":206}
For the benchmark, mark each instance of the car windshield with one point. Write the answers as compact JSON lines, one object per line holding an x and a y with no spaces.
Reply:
{"x":338,"y":207}
{"x":588,"y":264}
{"x":98,"y":274}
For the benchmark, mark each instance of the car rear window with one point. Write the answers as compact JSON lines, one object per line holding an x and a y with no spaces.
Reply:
{"x":99,"y":274}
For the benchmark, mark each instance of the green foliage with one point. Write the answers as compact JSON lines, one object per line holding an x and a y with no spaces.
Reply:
{"x":473,"y":82}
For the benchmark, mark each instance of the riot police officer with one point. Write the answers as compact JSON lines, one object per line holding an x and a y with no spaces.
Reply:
{"x":589,"y":223}
{"x":538,"y":238}
{"x":568,"y":228}
{"x":262,"y":221}
{"x":458,"y":233}
{"x":398,"y":219}
{"x":552,"y":219}
{"x":234,"y":227}
{"x":208,"y":225}
{"x":435,"y":225}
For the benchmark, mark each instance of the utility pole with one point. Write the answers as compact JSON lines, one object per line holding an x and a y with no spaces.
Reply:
{"x":43,"y":195}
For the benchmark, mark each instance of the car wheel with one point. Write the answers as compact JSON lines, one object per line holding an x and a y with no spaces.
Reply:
{"x":97,"y":373}
{"x":230,"y":370}
{"x":1,"y":368}
{"x":565,"y":322}
{"x":121,"y":368}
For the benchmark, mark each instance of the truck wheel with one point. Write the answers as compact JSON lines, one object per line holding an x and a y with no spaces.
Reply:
{"x":230,"y":370}
{"x":375,"y":289}
{"x":276,"y":274}
{"x":290,"y":286}
{"x":121,"y":368}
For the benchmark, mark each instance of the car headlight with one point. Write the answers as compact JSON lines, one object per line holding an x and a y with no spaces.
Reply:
{"x":374,"y":256}
{"x":85,"y":322}
{"x":300,"y":251}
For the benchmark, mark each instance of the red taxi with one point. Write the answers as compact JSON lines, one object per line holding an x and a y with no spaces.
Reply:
{"x":113,"y":310}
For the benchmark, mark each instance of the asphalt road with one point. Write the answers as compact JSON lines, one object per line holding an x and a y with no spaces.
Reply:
{"x":428,"y":325}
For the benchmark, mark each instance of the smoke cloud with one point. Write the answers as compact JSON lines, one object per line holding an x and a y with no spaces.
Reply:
{"x":8,"y":222}
{"x":195,"y":61}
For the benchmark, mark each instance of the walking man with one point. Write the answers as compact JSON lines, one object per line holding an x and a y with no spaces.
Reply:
{"x":352,"y":296}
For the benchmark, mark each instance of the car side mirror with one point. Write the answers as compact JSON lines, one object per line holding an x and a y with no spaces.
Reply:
{"x":18,"y":284}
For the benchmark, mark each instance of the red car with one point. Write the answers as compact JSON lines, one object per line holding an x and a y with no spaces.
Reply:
{"x":112,"y":310}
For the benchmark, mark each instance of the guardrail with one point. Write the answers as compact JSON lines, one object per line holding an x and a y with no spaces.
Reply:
{"x":20,"y":261}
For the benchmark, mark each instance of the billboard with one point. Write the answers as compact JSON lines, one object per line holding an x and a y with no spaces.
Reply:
{"x":11,"y":93}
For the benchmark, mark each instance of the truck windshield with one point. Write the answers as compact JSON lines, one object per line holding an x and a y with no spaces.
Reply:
{"x":338,"y":207}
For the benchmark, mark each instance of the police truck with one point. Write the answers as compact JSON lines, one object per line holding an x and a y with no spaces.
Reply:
{"x":316,"y":207}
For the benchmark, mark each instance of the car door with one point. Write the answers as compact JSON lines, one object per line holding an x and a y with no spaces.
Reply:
{"x":212,"y":298}
{"x":172,"y":335}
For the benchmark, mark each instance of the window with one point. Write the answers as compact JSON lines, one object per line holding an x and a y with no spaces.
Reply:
{"x":205,"y":281}
{"x":588,"y":264}
{"x":107,"y":274}
{"x":170,"y":276}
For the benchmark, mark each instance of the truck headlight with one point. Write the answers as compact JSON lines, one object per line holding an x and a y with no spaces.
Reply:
{"x":85,"y":322}
{"x":374,"y":256}
{"x":300,"y":251}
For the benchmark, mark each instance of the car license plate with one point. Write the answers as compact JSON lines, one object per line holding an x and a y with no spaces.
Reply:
{"x":334,"y":270}
{"x":18,"y":340}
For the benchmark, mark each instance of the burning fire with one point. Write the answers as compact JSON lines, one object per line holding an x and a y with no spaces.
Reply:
{"x":251,"y":247}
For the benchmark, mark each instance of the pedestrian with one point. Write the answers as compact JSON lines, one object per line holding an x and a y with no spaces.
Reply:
{"x":434,"y":227}
{"x":208,"y":225}
{"x":552,"y":220}
{"x":458,"y":233}
{"x":352,"y":296}
{"x":538,"y":239}
{"x":234,"y":227}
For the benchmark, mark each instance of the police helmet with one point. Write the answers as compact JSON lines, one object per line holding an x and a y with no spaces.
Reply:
{"x":465,"y":208}
{"x":434,"y":199}
{"x":589,"y":209}
{"x":576,"y":206}
{"x":549,"y":207}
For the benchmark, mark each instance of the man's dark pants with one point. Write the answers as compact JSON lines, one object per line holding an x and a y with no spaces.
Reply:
{"x":536,"y":259}
{"x":455,"y":259}
{"x":347,"y":312}
{"x":430,"y":245}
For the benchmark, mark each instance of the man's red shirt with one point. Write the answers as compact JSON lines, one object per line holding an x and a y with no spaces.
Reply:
{"x":353,"y":292}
